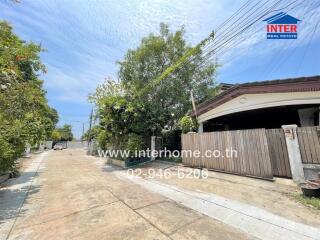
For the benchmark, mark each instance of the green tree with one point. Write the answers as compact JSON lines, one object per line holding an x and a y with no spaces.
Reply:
{"x":119,"y":115}
{"x":94,"y":134}
{"x":55,"y":135}
{"x":65,"y":132}
{"x":170,"y":100}
{"x":121,"y":107}
{"x":25,"y":116}
{"x":187,"y":124}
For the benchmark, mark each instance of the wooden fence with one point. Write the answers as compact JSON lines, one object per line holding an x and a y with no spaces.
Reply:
{"x":252,"y":158}
{"x":278,"y":153}
{"x":309,"y":142}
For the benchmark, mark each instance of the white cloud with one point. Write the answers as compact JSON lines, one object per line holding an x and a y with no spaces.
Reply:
{"x":254,"y":43}
{"x":84,"y":39}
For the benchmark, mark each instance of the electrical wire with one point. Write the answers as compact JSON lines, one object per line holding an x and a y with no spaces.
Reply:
{"x":283,"y":58}
{"x":307,"y":47}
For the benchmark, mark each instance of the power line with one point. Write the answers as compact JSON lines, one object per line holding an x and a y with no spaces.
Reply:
{"x":185,"y":58}
{"x":246,"y":26}
{"x":232,"y":16}
{"x":231,"y":35}
{"x":229,"y":30}
{"x":225,"y":23}
{"x":282,"y":58}
{"x":212,"y":45}
{"x":243,"y":29}
{"x":221,"y":52}
{"x":240,"y":40}
{"x":308,"y":45}
{"x":74,"y":121}
{"x":233,"y":43}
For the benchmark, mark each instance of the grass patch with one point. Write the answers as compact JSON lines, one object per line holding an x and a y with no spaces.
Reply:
{"x":313,"y":202}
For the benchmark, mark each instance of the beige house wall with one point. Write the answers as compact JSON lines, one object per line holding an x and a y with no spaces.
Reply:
{"x":262,"y":100}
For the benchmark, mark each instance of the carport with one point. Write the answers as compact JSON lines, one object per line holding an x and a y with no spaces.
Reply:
{"x":271,"y":124}
{"x":267,"y":104}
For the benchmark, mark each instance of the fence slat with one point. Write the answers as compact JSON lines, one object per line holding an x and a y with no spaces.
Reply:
{"x":252,"y":151}
{"x":277,"y":148}
{"x":309,"y":143}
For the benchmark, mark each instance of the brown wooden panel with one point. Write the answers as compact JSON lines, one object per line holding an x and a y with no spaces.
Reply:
{"x":309,"y":143}
{"x":278,"y":153}
{"x":252,"y":151}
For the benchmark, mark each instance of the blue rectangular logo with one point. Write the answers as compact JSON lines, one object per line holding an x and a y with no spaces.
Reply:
{"x":282,"y":26}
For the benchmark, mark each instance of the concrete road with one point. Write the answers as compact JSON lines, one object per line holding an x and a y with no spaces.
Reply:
{"x":68,"y":195}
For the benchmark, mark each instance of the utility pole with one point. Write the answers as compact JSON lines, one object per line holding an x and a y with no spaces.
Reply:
{"x":193,"y":104}
{"x":82,"y":132}
{"x":89,"y":131}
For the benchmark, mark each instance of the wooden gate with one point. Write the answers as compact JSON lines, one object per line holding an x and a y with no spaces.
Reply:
{"x":309,"y":142}
{"x":278,"y":153}
{"x":252,"y":158}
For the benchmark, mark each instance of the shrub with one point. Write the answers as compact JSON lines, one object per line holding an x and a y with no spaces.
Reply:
{"x":6,"y":156}
{"x":187,"y":124}
{"x":135,"y":142}
{"x":173,"y":159}
{"x":172,"y":139}
{"x":102,"y":140}
{"x":11,"y":148}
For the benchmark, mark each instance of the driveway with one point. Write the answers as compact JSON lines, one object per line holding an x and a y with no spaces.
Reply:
{"x":68,"y":195}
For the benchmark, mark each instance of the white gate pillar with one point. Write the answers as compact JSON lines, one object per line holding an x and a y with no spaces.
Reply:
{"x":290,"y":132}
{"x":200,"y":128}
{"x":153,"y":147}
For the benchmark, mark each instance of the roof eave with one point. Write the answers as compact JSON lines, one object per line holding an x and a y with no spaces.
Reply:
{"x":276,"y":86}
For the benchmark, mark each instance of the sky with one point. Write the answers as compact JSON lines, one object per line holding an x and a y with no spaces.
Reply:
{"x":84,"y":40}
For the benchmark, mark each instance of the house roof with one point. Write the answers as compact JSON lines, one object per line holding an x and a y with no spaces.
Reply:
{"x":302,"y":84}
{"x":225,"y":86}
{"x":282,"y":18}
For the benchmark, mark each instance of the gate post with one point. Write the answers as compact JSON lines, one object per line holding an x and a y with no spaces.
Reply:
{"x":153,"y":147}
{"x":200,"y":128}
{"x":290,"y":133}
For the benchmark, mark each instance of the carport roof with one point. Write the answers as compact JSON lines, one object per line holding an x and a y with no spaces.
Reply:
{"x":302,"y":84}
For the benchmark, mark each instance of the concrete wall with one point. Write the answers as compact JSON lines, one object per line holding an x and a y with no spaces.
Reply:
{"x":72,"y":144}
{"x":300,"y":171}
{"x":308,"y":116}
{"x":48,"y":144}
{"x":311,"y":171}
{"x":77,"y":144}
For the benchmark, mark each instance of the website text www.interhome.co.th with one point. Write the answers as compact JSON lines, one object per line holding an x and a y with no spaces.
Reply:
{"x":165,"y":153}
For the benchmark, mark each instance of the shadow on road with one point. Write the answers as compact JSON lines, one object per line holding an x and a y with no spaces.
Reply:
{"x":15,"y":194}
{"x":111,"y":168}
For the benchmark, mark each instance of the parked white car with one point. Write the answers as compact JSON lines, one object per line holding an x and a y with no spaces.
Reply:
{"x":57,"y":147}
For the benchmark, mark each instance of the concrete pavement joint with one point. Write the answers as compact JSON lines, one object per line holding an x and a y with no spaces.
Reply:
{"x":185,"y":225}
{"x":156,"y":203}
{"x":261,"y":219}
{"x":234,"y":212}
{"x":68,"y":215}
{"x":231,"y":181}
{"x":27,"y":192}
{"x":147,"y":220}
